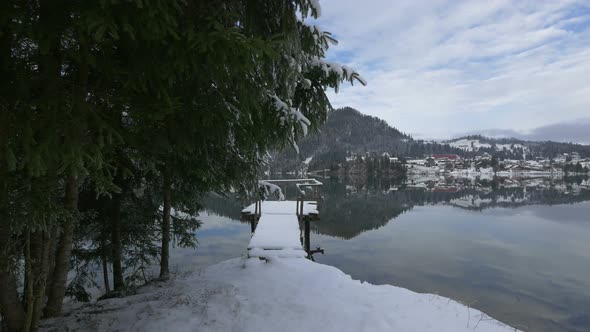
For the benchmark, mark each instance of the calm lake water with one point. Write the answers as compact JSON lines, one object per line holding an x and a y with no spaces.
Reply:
{"x":519,"y":250}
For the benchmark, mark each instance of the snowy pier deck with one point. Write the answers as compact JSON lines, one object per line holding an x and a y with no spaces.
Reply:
{"x":276,"y":230}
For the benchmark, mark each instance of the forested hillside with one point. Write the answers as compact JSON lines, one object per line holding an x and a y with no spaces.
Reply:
{"x":348,"y":131}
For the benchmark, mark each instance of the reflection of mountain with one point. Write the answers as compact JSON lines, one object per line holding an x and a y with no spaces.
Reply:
{"x":515,"y":197}
{"x":509,"y":193}
{"x":347,"y":215}
{"x":349,"y":210}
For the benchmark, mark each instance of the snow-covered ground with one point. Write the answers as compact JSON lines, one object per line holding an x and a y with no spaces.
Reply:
{"x":483,"y":173}
{"x":291,"y":294}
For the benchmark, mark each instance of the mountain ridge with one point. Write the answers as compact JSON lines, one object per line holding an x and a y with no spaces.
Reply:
{"x":348,"y":132}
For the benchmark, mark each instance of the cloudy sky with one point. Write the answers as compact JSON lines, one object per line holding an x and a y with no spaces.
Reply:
{"x":437,"y":69}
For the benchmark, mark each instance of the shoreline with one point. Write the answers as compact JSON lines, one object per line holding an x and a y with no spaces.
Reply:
{"x":287,"y":294}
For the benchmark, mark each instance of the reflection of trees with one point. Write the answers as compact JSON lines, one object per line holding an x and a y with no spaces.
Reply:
{"x":544,"y":192}
{"x":346,"y":215}
{"x":347,"y":212}
{"x":349,"y":215}
{"x":223,"y":206}
{"x":349,"y":209}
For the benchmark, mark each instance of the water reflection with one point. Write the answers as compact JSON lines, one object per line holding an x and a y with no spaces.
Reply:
{"x":517,"y":249}
{"x":350,"y":209}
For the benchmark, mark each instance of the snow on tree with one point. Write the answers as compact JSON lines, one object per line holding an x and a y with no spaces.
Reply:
{"x":181,"y":97}
{"x":268,"y":189}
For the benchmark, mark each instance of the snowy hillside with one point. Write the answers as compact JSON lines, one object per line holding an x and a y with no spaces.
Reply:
{"x":474,"y":145}
{"x":513,"y":148}
{"x":349,"y":131}
{"x":279,"y":295}
{"x":469,"y":144}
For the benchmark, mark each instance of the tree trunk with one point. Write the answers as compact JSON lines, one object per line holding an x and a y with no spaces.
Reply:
{"x":52,"y":247}
{"x":36,"y":266}
{"x":63,"y":252}
{"x":165,"y":254}
{"x":40,"y":249}
{"x":116,"y":246}
{"x":29,"y":281}
{"x":11,"y":308}
{"x":105,"y":265}
{"x":51,"y":13}
{"x":105,"y":274}
{"x":50,"y":22}
{"x":13,"y":312}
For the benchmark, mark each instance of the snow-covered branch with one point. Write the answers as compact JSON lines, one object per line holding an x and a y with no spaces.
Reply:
{"x":315,"y":7}
{"x":267,"y":189}
{"x":289,"y":113}
{"x":343,"y":72}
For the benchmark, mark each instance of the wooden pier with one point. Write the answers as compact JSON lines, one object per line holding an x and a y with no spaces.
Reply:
{"x":282,"y":228}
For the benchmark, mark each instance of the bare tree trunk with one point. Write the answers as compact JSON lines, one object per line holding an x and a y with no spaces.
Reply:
{"x":116,"y":246}
{"x":165,"y":254}
{"x":13,"y":312}
{"x":57,"y":289}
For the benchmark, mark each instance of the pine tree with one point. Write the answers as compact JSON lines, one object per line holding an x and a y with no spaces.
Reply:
{"x":179,"y":97}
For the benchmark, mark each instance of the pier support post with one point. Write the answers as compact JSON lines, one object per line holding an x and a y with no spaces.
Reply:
{"x":307,"y":237}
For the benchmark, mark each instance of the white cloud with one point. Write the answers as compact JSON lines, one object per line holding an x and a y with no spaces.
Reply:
{"x":441,"y":67}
